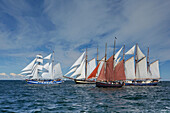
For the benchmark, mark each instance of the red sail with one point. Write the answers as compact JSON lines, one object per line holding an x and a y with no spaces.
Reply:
{"x":119,"y":72}
{"x":109,"y":69}
{"x":93,"y":74}
{"x":102,"y":76}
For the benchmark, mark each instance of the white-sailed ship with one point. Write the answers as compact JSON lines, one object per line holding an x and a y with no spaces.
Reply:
{"x":39,"y":73}
{"x":81,"y":69}
{"x":138,"y":71}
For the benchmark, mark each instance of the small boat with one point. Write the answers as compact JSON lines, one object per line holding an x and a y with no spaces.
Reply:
{"x":112,"y":73}
{"x":138,"y":71}
{"x":39,"y":73}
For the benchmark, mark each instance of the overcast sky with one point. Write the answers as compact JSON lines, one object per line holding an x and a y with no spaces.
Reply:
{"x":30,"y":27}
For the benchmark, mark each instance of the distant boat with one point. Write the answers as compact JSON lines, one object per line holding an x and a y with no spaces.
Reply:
{"x":112,"y":73}
{"x":48,"y":73}
{"x":81,"y":70}
{"x":138,"y":71}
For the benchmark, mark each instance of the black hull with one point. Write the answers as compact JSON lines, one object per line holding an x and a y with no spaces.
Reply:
{"x":109,"y":85}
{"x":84,"y":82}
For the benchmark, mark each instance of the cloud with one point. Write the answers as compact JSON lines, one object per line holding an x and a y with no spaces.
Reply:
{"x":15,"y":76}
{"x":68,"y":27}
{"x":4,"y":76}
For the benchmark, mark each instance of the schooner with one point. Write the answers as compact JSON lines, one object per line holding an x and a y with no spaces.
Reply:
{"x":112,"y":73}
{"x":82,"y":69}
{"x":138,"y":70}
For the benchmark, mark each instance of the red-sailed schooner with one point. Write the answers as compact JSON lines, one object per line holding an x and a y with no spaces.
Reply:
{"x":111,"y":75}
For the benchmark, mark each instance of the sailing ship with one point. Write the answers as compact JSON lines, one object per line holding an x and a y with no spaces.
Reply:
{"x":81,"y":70}
{"x":37,"y":73}
{"x":112,"y":73}
{"x":138,"y":71}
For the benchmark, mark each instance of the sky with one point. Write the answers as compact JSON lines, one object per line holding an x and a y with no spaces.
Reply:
{"x":31,"y":27}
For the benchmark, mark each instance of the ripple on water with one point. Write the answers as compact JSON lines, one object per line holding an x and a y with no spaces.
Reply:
{"x":18,"y":96}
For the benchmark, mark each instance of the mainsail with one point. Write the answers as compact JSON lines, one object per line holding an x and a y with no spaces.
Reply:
{"x":141,"y":69}
{"x":154,"y":68}
{"x":130,"y":69}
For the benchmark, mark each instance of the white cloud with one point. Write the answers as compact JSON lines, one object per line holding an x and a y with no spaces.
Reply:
{"x":75,"y":23}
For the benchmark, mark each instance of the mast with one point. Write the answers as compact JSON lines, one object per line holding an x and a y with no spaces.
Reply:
{"x":114,"y":51}
{"x":52,"y":65}
{"x":97,"y":56}
{"x":114,"y":57}
{"x":86,"y":66}
{"x":136,"y":58}
{"x":105,"y":60}
{"x":148,"y":60}
{"x":124,"y":54}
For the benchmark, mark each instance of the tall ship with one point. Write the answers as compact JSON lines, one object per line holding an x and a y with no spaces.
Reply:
{"x":138,"y":70}
{"x":83,"y":71}
{"x":112,"y":73}
{"x":43,"y":71}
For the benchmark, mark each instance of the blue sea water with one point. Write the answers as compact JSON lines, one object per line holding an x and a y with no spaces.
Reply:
{"x":18,"y":96}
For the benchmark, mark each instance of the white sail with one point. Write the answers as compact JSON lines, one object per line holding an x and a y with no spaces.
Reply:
{"x":141,"y":69}
{"x":100,"y":66}
{"x":35,"y":73}
{"x":40,"y":60}
{"x":117,"y":54}
{"x":91,"y":65}
{"x":140,"y":55}
{"x":82,"y":75}
{"x":71,"y":71}
{"x":46,"y":66}
{"x":154,"y":67}
{"x":30,"y":66}
{"x":26,"y":72}
{"x":117,"y":61}
{"x":79,"y":60}
{"x":40,"y":67}
{"x":79,"y":69}
{"x":39,"y":56}
{"x":57,"y":71}
{"x":30,"y":75}
{"x":45,"y":75}
{"x":129,"y":69}
{"x":48,"y":57}
{"x":51,"y":71}
{"x":131,"y":51}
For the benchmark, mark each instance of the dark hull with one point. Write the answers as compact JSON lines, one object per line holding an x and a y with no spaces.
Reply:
{"x":141,"y":84}
{"x":109,"y":85}
{"x":84,"y":82}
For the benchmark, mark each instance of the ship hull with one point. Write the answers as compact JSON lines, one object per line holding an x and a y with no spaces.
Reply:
{"x":141,"y":84}
{"x":109,"y":85}
{"x":43,"y":82}
{"x":84,"y":82}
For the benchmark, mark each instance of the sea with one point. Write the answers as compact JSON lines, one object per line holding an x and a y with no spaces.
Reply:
{"x":20,"y":97}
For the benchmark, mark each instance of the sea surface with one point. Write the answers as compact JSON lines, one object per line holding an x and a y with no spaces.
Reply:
{"x":20,"y":97}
